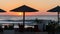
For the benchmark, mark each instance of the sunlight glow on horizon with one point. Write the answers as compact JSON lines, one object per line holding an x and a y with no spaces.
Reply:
{"x":20,"y":13}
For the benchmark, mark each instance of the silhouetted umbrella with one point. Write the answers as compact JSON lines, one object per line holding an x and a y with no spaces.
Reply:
{"x":2,"y":11}
{"x":24,"y":9}
{"x":56,"y":9}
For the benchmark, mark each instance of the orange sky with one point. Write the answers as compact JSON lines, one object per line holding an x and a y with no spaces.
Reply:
{"x":41,"y":5}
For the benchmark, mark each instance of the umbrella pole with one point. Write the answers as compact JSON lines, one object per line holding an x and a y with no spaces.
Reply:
{"x":24,"y":18}
{"x":58,"y":17}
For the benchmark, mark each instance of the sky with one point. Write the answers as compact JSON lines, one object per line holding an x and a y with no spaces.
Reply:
{"x":41,"y":5}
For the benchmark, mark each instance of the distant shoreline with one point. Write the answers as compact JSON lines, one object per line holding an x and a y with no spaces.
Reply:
{"x":28,"y":15}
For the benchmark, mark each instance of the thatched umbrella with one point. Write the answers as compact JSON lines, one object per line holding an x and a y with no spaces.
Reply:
{"x":55,"y":9}
{"x":24,"y":9}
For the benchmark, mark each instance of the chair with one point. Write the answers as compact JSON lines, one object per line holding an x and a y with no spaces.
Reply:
{"x":21,"y":28}
{"x":1,"y":29}
{"x":36,"y":28}
{"x":5,"y":27}
{"x":8,"y":27}
{"x":11,"y":27}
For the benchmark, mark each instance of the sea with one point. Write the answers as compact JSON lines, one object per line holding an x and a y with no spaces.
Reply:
{"x":6,"y":18}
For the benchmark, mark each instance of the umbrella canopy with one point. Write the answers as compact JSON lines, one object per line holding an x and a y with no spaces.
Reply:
{"x":55,"y":9}
{"x":24,"y":9}
{"x":1,"y":10}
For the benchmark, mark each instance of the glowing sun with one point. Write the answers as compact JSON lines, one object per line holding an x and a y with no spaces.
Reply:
{"x":20,"y":13}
